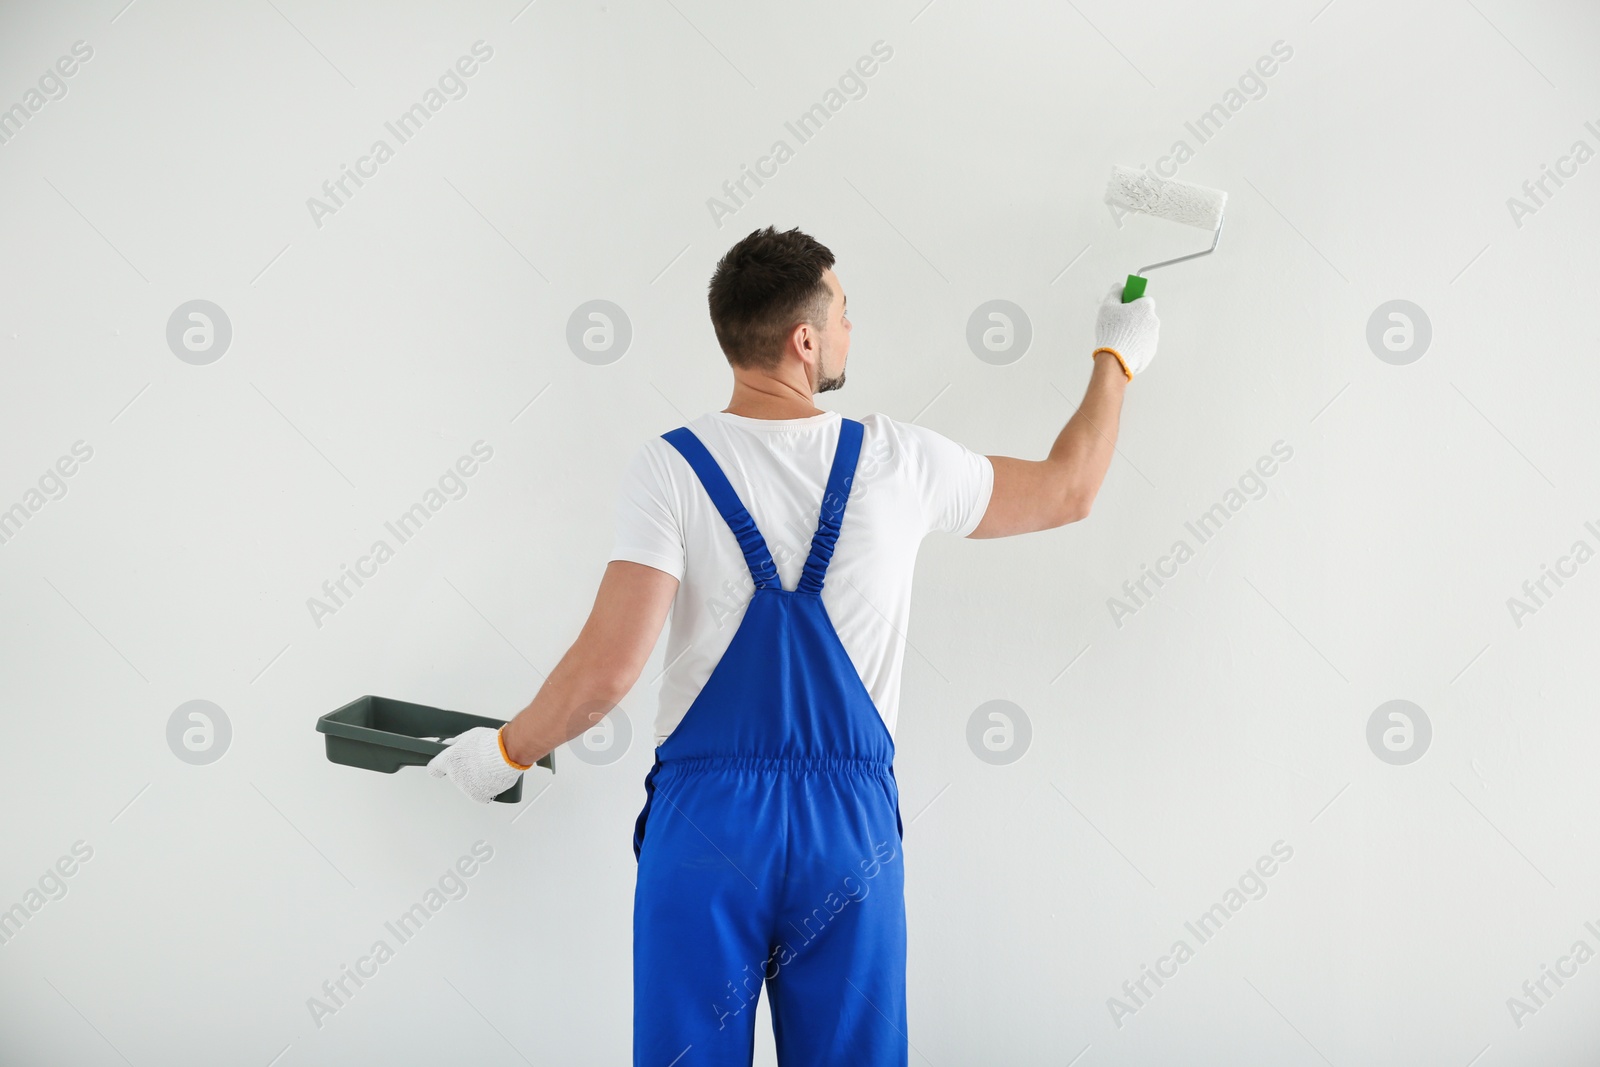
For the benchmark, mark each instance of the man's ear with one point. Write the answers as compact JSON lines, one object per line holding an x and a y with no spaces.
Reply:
{"x":804,"y":338}
{"x":796,"y":340}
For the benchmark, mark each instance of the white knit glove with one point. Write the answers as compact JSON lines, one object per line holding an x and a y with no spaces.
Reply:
{"x":1127,"y":331}
{"x":476,"y":762}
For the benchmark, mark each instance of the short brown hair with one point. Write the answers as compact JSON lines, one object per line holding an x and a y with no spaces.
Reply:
{"x":764,"y":287}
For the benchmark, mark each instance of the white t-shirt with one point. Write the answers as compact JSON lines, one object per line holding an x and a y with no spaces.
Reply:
{"x":910,"y":481}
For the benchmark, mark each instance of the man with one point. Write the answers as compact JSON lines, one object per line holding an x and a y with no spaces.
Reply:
{"x":783,"y":537}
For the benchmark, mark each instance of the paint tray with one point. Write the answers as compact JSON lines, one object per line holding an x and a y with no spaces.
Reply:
{"x":380,"y":734}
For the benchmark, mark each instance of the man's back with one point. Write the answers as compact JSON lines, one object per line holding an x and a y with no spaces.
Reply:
{"x":910,"y":481}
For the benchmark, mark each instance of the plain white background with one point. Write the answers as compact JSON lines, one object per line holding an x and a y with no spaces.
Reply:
{"x":1167,"y":754}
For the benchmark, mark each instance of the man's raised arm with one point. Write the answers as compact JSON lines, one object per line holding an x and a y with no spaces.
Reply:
{"x":1032,"y":495}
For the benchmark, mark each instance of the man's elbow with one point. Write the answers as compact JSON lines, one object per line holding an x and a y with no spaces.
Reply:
{"x":1076,"y":513}
{"x":600,"y":674}
{"x":1075,"y":508}
{"x":612,"y":683}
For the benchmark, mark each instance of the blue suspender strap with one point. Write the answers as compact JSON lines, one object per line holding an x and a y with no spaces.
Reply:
{"x":756,"y":556}
{"x":834,"y":498}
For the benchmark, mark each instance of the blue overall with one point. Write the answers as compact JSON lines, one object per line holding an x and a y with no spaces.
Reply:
{"x":769,"y":844}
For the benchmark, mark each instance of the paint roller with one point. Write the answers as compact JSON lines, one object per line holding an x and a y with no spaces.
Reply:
{"x":1192,"y":205}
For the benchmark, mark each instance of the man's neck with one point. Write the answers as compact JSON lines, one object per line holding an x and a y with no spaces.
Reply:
{"x":776,"y":402}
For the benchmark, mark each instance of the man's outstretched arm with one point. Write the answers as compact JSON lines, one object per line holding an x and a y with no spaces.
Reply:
{"x":1031,"y":495}
{"x":597,"y":671}
{"x":602,"y":665}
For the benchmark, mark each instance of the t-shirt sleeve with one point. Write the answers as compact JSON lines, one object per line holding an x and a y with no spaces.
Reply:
{"x":954,"y":481}
{"x":647,"y":529}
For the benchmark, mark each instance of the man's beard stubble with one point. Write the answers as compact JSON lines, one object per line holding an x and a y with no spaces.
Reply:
{"x":828,"y":383}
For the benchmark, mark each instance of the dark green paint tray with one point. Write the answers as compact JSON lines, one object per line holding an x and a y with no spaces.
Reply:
{"x":380,"y":734}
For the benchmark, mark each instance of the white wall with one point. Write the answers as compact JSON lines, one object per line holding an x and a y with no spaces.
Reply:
{"x":1228,"y":713}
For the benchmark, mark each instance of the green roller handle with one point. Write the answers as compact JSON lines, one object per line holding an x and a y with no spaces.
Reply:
{"x":1134,"y":289}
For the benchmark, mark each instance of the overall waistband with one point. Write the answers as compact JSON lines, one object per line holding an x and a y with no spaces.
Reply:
{"x":781,"y":765}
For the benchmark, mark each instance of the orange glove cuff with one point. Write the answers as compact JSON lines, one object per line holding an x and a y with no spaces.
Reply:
{"x":1120,"y":360}
{"x":499,"y":736}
